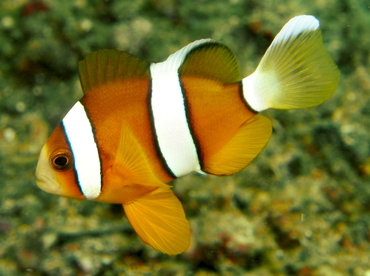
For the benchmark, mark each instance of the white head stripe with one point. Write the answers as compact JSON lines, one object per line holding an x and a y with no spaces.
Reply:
{"x":84,"y":149}
{"x":174,"y":137}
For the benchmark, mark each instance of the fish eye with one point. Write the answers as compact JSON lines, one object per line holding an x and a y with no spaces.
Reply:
{"x":61,"y":161}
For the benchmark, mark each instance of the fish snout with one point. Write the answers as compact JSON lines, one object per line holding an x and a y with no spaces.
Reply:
{"x":45,"y":178}
{"x":48,"y":185}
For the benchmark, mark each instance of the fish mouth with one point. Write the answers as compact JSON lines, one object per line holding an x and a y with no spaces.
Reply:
{"x":47,"y":184}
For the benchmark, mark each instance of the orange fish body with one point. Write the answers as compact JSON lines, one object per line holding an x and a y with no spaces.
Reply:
{"x":141,"y":125}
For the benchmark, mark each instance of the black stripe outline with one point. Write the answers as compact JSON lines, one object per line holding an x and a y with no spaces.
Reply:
{"x":74,"y":163}
{"x":196,"y":139}
{"x":244,"y":100}
{"x":93,"y":129}
{"x":97,"y":146}
{"x":188,"y":115}
{"x":153,"y":130}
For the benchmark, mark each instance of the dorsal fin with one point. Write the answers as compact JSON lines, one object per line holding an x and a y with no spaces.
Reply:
{"x":211,"y":60}
{"x":104,"y":66}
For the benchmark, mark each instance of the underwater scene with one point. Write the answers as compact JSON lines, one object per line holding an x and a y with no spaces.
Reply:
{"x":271,"y":176}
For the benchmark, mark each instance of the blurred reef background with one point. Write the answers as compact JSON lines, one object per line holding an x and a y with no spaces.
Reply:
{"x":301,"y":208}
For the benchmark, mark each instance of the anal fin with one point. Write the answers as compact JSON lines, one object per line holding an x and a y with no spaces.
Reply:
{"x":159,"y":220}
{"x":249,"y":140}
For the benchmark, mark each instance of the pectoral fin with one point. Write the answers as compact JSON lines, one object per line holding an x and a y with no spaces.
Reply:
{"x":131,"y":161}
{"x":159,"y":220}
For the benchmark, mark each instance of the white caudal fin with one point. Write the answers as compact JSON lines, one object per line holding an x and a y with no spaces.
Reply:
{"x":295,"y":72}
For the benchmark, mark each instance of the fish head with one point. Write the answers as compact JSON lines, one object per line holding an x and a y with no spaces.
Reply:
{"x":55,"y":168}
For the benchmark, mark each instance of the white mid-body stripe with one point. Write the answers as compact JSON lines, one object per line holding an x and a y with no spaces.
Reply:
{"x":173,"y":133}
{"x":80,"y":135}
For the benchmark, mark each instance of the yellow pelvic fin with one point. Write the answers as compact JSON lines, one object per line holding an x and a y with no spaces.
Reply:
{"x":105,"y":66}
{"x":295,"y":72}
{"x":159,"y":220}
{"x":131,"y":161}
{"x":211,"y":60}
{"x":242,"y":148}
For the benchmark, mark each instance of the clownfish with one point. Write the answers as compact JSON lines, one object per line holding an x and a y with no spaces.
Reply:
{"x":140,"y":125}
